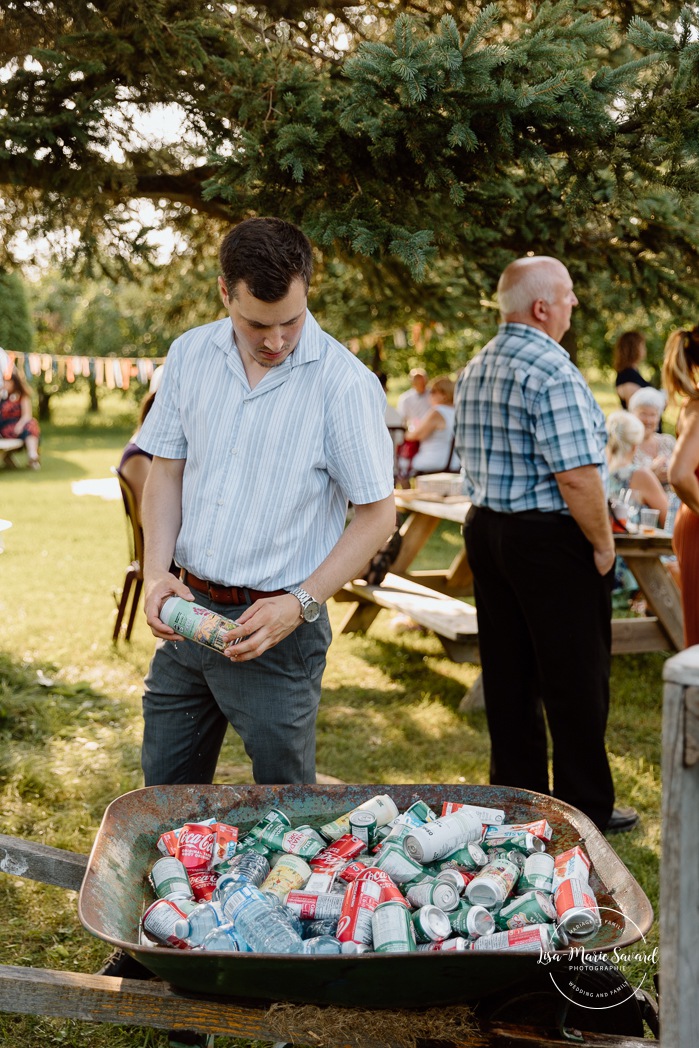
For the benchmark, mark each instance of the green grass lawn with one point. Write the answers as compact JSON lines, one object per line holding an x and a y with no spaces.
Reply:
{"x":70,"y":721}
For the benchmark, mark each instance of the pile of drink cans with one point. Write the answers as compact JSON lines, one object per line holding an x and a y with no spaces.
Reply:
{"x":374,"y":880}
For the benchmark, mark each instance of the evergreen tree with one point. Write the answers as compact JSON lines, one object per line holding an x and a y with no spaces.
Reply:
{"x":421,"y":145}
{"x":16,"y":327}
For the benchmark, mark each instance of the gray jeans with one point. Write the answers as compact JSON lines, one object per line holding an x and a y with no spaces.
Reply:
{"x":192,"y":693}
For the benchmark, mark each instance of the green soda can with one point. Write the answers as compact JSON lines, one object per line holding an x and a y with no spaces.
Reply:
{"x":522,"y":841}
{"x":530,"y":908}
{"x":537,"y":874}
{"x":196,"y":622}
{"x":419,"y":811}
{"x":272,"y":817}
{"x":430,"y":924}
{"x":471,"y":857}
{"x":392,"y":928}
{"x":471,"y":921}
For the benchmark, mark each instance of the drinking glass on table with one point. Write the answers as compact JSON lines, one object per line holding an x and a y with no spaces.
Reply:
{"x":649,"y":520}
{"x":634,"y":502}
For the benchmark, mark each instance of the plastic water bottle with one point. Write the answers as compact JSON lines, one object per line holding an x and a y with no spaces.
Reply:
{"x":312,"y":929}
{"x":259,"y":922}
{"x":248,"y":868}
{"x":321,"y":944}
{"x":197,"y":924}
{"x":224,"y":938}
{"x":673,"y":504}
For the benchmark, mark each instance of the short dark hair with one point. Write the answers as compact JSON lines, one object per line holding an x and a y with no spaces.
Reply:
{"x":267,"y":254}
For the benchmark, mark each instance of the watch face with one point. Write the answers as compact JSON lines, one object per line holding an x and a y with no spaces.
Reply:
{"x":311,"y":611}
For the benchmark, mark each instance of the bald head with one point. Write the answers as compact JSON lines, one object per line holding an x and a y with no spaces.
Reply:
{"x":537,"y":291}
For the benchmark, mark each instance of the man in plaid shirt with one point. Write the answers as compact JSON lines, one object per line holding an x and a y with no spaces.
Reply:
{"x":531,"y":439}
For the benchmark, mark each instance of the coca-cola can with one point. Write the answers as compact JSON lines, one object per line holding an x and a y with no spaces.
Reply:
{"x":352,"y":870}
{"x":360,"y":900}
{"x":390,"y":892}
{"x":203,"y":884}
{"x":337,"y":854}
{"x":195,"y":845}
{"x":312,"y":906}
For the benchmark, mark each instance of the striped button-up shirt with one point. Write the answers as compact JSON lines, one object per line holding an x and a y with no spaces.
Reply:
{"x":523,"y":413}
{"x":269,"y":470}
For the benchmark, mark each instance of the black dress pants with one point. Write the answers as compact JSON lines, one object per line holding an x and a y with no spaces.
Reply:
{"x":544,"y":624}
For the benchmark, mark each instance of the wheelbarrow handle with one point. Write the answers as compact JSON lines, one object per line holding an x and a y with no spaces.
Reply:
{"x":40,"y":862}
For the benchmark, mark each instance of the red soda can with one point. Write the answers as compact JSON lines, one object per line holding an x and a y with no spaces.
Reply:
{"x":338,"y":854}
{"x":203,"y":883}
{"x":361,"y":899}
{"x":390,"y":892}
{"x":195,"y":846}
{"x":352,"y":870}
{"x":167,"y":843}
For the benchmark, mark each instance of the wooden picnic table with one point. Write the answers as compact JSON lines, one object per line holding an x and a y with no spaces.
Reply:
{"x":660,"y":630}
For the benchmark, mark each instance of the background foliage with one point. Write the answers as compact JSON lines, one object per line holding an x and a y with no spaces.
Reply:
{"x":420,"y":145}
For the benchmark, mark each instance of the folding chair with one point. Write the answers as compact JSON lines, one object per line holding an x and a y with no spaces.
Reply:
{"x":133,"y":582}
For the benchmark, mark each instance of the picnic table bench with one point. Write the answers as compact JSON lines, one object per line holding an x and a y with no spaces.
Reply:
{"x":8,"y":446}
{"x":417,"y":593}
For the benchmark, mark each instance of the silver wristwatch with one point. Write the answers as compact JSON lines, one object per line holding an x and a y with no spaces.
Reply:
{"x":310,"y":608}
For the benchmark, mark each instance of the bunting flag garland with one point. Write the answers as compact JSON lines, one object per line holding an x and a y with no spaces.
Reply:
{"x":112,"y":372}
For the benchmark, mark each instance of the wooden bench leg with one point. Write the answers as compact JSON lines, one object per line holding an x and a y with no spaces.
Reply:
{"x":359,"y":618}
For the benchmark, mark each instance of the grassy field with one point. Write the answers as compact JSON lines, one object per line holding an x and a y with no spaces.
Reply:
{"x":70,"y":721}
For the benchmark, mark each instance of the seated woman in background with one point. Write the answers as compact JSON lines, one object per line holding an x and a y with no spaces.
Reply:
{"x":16,"y":417}
{"x":626,"y":433}
{"x":135,"y":462}
{"x":655,"y":449}
{"x":629,"y":351}
{"x":435,"y":431}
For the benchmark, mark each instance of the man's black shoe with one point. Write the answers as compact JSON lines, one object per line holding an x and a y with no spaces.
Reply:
{"x":622,"y":820}
{"x":123,"y":966}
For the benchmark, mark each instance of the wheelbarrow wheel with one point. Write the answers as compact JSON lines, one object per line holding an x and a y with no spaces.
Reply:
{"x":539,"y":1002}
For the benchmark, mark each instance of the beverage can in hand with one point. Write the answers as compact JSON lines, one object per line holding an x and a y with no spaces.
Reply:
{"x":196,"y":622}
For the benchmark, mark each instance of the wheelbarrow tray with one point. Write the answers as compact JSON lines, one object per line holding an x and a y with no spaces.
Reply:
{"x":116,"y":891}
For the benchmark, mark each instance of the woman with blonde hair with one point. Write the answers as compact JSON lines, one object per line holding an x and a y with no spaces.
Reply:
{"x":435,"y":431}
{"x":626,"y":432}
{"x":681,"y":379}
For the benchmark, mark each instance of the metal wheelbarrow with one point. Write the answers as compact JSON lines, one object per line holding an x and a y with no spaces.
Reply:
{"x":115,"y":892}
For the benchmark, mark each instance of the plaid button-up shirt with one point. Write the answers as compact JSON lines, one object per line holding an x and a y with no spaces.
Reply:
{"x":523,"y":413}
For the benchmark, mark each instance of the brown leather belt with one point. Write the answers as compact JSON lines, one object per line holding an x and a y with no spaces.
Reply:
{"x":226,"y":594}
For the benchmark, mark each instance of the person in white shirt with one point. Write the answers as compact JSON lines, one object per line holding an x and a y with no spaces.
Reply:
{"x":415,"y":402}
{"x":264,"y":428}
{"x":435,"y":431}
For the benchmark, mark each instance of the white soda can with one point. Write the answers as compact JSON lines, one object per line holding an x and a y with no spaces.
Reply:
{"x":436,"y":839}
{"x":488,"y":816}
{"x":382,"y":806}
{"x":196,"y":622}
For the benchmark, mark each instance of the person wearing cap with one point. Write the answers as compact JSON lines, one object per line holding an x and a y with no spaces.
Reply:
{"x":532,"y":439}
{"x":135,"y":462}
{"x":655,"y":449}
{"x":415,"y":403}
{"x":263,"y":430}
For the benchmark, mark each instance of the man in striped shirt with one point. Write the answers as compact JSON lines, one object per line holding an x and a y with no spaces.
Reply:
{"x":264,"y":427}
{"x":531,"y":440}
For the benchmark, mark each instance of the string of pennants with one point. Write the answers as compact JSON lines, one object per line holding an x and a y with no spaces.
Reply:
{"x":112,"y":372}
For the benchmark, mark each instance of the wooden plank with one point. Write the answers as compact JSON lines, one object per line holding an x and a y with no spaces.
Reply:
{"x":679,"y":890}
{"x":631,"y":636}
{"x":662,"y":595}
{"x":127,"y":1002}
{"x":691,"y":726}
{"x":444,"y":615}
{"x":39,"y":862}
